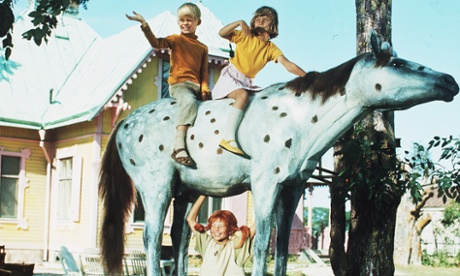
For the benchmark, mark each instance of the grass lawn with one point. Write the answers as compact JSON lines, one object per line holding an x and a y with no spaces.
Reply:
{"x":427,"y":271}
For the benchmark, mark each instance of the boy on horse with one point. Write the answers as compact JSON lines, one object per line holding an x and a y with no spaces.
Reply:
{"x":188,"y":76}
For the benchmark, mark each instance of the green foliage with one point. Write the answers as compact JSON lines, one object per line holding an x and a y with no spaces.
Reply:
{"x":372,"y":167}
{"x":451,"y":215}
{"x":440,"y":259}
{"x":446,"y":177}
{"x":6,"y":26}
{"x":319,"y":217}
{"x":44,"y":19}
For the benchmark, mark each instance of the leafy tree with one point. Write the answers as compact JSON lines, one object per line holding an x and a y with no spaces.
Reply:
{"x":43,"y":18}
{"x":320,"y":219}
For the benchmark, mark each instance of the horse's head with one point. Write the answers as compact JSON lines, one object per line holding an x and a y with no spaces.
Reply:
{"x":385,"y":81}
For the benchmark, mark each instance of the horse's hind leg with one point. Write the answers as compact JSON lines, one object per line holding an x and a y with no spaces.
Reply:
{"x":180,"y":234}
{"x":288,"y":200}
{"x":156,"y":200}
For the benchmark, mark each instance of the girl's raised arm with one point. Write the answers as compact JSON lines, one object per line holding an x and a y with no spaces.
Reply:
{"x":191,"y":218}
{"x":291,"y":66}
{"x":227,"y":30}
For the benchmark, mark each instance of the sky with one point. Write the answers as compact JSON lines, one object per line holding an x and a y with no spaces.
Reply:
{"x":319,"y":35}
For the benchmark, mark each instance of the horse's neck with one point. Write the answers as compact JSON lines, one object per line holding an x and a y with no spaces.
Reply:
{"x":326,"y":124}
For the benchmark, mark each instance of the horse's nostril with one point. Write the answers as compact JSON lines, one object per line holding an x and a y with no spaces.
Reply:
{"x":421,"y":68}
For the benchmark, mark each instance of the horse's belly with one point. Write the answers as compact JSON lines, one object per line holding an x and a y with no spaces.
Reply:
{"x":213,"y":185}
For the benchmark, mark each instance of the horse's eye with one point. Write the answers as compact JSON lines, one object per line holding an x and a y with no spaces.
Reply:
{"x":397,"y":64}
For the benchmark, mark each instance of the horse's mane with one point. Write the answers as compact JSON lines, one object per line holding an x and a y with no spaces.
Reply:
{"x":325,"y":84}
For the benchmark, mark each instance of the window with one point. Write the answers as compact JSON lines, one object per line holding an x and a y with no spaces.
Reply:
{"x":210,"y":205}
{"x":13,"y":183}
{"x":65,"y":189}
{"x":67,"y":182}
{"x":164,"y":78}
{"x":9,"y":186}
{"x":139,"y":212}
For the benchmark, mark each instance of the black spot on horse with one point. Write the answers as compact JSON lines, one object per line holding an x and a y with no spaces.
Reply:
{"x":208,"y":112}
{"x":213,"y":120}
{"x":192,"y":136}
{"x":152,"y":110}
{"x":281,"y":88}
{"x":378,"y":87}
{"x":275,"y":108}
{"x":314,"y":119}
{"x":264,"y":97}
{"x":119,"y":145}
{"x":267,"y":138}
{"x":132,"y":162}
{"x":200,"y":145}
{"x":161,"y":147}
{"x":284,"y":114}
{"x":173,"y":103}
{"x":126,"y":126}
{"x":288,"y":143}
{"x":216,"y":132}
{"x":277,"y":170}
{"x":141,"y":137}
{"x":166,"y":118}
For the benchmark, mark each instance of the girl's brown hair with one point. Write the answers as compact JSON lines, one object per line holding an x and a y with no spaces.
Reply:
{"x":270,"y":13}
{"x":230,"y":221}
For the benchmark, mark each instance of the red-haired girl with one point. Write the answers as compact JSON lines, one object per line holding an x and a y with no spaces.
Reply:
{"x":227,"y":247}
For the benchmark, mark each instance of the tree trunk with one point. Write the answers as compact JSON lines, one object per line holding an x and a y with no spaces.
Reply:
{"x":409,"y":226}
{"x":374,"y":202}
{"x":337,"y":252}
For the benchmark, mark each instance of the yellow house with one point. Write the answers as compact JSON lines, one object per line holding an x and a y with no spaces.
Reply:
{"x":58,"y":105}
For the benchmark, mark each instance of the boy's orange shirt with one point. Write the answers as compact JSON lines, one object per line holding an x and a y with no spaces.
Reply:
{"x":189,"y":57}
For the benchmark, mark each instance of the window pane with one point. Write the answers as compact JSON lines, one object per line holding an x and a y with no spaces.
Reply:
{"x":204,"y":214}
{"x":216,"y":204}
{"x":139,"y":212}
{"x":10,"y":165}
{"x":66,"y":168}
{"x":64,"y":200}
{"x":8,"y":197}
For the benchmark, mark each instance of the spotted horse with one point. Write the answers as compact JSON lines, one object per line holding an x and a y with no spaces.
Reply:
{"x":286,"y":128}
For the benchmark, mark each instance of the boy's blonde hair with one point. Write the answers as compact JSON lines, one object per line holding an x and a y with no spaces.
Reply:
{"x":189,"y":9}
{"x":270,"y":13}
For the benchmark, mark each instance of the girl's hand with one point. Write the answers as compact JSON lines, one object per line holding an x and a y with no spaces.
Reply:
{"x":137,"y":17}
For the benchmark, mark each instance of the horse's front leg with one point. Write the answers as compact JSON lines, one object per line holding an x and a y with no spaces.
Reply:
{"x":264,"y":198}
{"x":180,"y":234}
{"x":285,"y":211}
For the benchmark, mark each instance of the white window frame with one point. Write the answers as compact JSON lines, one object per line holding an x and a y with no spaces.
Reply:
{"x":23,"y":183}
{"x":65,"y":153}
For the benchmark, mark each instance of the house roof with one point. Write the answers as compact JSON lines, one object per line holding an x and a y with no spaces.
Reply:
{"x":83,"y":71}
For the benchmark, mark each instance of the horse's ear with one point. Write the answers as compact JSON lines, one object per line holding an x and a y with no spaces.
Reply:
{"x":375,"y":43}
{"x":379,"y":47}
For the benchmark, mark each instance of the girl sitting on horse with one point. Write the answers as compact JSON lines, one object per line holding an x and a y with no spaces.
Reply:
{"x":254,"y":51}
{"x":227,"y":247}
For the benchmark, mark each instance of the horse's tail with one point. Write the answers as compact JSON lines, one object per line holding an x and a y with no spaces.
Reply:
{"x":118,"y":195}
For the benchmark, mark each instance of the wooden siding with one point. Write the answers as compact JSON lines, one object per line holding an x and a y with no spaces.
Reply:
{"x":34,"y":197}
{"x":143,"y":89}
{"x":77,"y":130}
{"x":20,"y":133}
